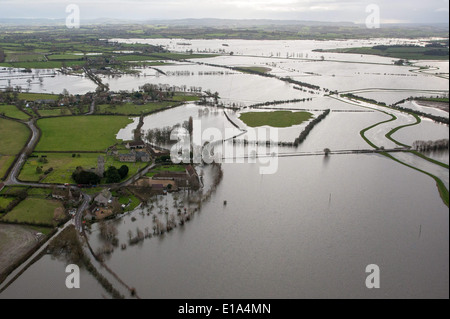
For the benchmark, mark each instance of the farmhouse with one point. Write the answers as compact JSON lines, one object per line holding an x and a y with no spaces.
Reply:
{"x":129,"y":158}
{"x":135,"y":145}
{"x":143,"y":157}
{"x":104,"y":198}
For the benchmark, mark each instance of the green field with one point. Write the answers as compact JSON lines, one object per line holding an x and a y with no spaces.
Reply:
{"x":13,"y":137}
{"x":13,"y":190}
{"x":166,"y":168}
{"x":64,"y":165}
{"x":5,"y":163}
{"x":37,"y":96}
{"x":54,"y":112}
{"x":134,"y":57}
{"x":23,"y":57}
{"x":34,"y":211}
{"x":80,"y":133}
{"x":133,"y":109}
{"x":254,"y":69}
{"x":5,"y":201}
{"x":275,"y":119}
{"x":42,"y":64}
{"x":13,"y":112}
{"x":400,"y":52}
{"x":59,"y":57}
{"x":434,"y":99}
{"x":185,"y":98}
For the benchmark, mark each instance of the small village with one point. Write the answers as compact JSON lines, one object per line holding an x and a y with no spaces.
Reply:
{"x":164,"y":178}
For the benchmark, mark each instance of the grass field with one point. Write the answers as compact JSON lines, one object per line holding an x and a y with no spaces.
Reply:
{"x":13,"y":190}
{"x":59,"y":57}
{"x":41,"y":64}
{"x":37,"y":96}
{"x":275,"y":119}
{"x":5,"y":201}
{"x":54,"y":112}
{"x":134,"y":57}
{"x":185,"y":98}
{"x":13,"y":137}
{"x":13,"y":112}
{"x":435,"y":99}
{"x":23,"y":57}
{"x":254,"y":69}
{"x":64,"y":165}
{"x":5,"y":163}
{"x":34,"y":211}
{"x":80,"y":133}
{"x":133,"y":109}
{"x":166,"y":168}
{"x":405,"y":52}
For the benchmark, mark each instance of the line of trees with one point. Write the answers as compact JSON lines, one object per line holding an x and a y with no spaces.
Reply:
{"x":436,"y":118}
{"x":267,"y":75}
{"x":83,"y":177}
{"x":279,"y":102}
{"x":427,"y":146}
{"x":114,"y":175}
{"x":162,"y":135}
{"x":364,"y":99}
{"x":309,"y":127}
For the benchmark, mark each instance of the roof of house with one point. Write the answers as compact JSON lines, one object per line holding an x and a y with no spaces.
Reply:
{"x":136,"y":143}
{"x":104,"y":197}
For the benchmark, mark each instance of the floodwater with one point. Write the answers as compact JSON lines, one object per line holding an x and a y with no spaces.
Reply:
{"x":310,"y":229}
{"x":312,"y":234}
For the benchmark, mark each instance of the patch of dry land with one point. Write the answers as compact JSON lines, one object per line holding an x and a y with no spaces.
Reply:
{"x":437,"y":105}
{"x":15,"y":241}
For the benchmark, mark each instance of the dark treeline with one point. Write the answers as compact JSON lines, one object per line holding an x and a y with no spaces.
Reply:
{"x":162,"y":135}
{"x":308,"y":85}
{"x":360,"y":98}
{"x":429,"y":146}
{"x":309,"y":127}
{"x":83,"y":177}
{"x":436,"y":118}
{"x":68,"y":247}
{"x":268,"y":75}
{"x":279,"y":102}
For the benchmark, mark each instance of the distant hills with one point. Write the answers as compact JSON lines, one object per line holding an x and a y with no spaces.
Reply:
{"x":207,"y":22}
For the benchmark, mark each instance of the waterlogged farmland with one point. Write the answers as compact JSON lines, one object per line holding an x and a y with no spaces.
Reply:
{"x":348,"y":195}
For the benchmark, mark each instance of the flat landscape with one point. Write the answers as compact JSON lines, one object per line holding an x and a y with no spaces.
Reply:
{"x":357,"y":174}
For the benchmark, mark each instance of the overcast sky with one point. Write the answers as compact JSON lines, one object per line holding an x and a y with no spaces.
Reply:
{"x":408,"y":11}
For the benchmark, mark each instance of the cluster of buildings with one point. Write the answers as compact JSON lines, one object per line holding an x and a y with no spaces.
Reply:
{"x":165,"y":181}
{"x":139,"y":152}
